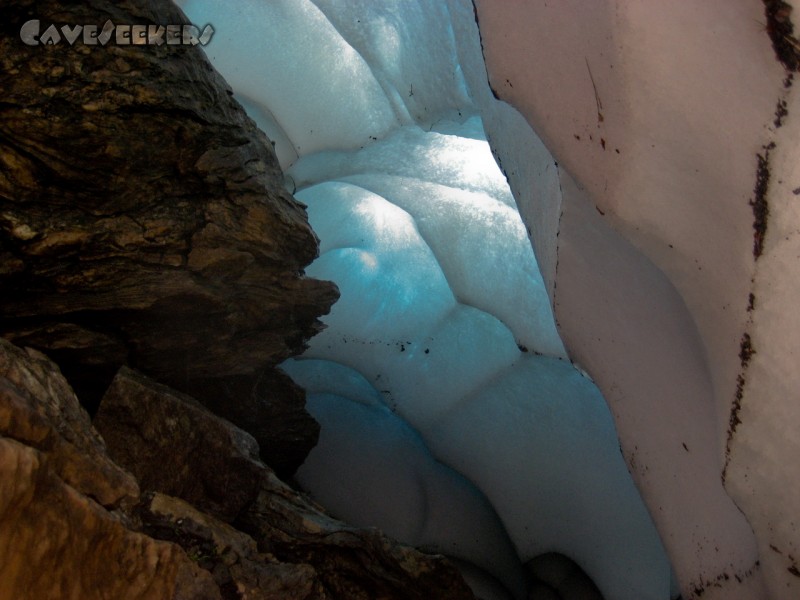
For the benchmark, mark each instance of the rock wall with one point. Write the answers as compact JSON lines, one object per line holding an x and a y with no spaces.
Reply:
{"x":143,"y":221}
{"x":64,"y":531}
{"x":74,"y":524}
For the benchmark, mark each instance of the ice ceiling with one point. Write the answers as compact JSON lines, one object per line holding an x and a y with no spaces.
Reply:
{"x":451,"y":416}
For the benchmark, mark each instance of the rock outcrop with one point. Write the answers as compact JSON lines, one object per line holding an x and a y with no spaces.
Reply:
{"x":73,"y":523}
{"x":238,"y":568}
{"x":64,"y":531}
{"x":143,"y":221}
{"x":172,"y":444}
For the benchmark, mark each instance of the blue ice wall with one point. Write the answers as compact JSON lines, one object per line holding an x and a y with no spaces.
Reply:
{"x":451,"y":416}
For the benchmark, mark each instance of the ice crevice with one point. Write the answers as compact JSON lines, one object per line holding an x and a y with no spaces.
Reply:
{"x":452,"y":417}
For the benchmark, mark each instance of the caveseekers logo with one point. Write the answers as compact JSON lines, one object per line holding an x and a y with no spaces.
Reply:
{"x":33,"y":34}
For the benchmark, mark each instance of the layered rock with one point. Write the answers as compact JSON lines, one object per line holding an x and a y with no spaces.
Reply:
{"x":74,"y":524}
{"x":64,"y":532}
{"x":143,"y":220}
{"x":238,"y":568}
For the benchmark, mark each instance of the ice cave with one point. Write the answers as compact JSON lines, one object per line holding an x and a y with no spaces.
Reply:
{"x":453,"y":415}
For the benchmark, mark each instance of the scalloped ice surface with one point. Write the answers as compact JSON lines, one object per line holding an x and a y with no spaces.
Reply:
{"x":451,"y":417}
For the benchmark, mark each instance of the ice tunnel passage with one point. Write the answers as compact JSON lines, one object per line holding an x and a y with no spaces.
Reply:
{"x":424,"y":359}
{"x":444,"y":340}
{"x":450,"y":415}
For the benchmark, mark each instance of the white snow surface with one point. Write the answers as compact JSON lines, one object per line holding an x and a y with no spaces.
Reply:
{"x":658,"y":115}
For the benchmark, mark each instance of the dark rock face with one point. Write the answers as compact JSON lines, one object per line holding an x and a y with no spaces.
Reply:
{"x":239,"y":569}
{"x":295,"y":550}
{"x":74,"y":524}
{"x":356,"y":564}
{"x":143,"y":221}
{"x":65,"y":529}
{"x":172,"y":444}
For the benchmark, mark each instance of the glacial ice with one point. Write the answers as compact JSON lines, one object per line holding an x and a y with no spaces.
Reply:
{"x":268,"y":56}
{"x":451,"y":416}
{"x":431,"y":506}
{"x":531,"y":432}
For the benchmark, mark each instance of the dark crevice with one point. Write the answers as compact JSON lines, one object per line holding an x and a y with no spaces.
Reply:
{"x":746,"y":350}
{"x":781,"y":31}
{"x":483,"y":51}
{"x":759,"y":202}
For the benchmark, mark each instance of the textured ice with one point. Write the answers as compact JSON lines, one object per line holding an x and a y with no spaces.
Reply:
{"x":410,"y":151}
{"x":570,"y":490}
{"x":483,"y":250}
{"x":409,"y":372}
{"x":423,"y":82}
{"x":529,"y":430}
{"x":366,"y":456}
{"x":440,"y":380}
{"x":287,"y":57}
{"x":325,"y":376}
{"x":380,"y":262}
